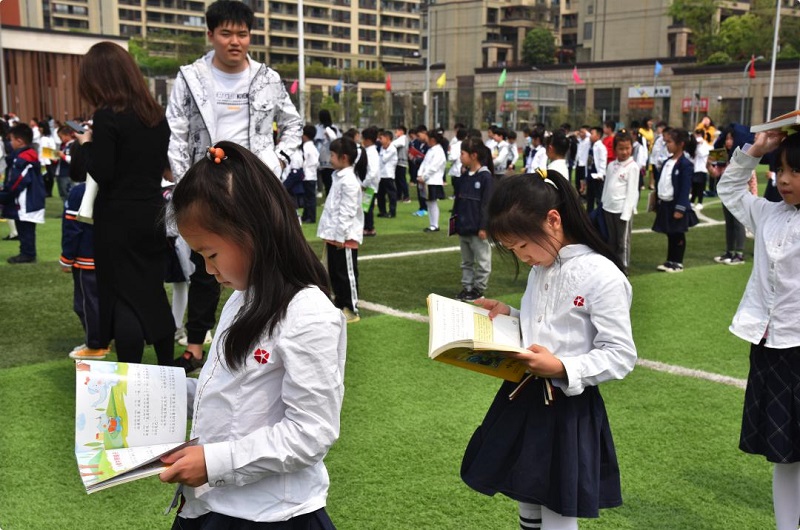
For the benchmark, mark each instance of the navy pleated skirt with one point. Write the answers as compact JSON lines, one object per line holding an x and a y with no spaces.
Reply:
{"x":771,"y":417}
{"x":666,"y":223}
{"x":560,"y":455}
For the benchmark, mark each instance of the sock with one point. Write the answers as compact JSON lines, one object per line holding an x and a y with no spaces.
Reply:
{"x":12,"y":228}
{"x":180,"y":299}
{"x":786,"y":495}
{"x":555,"y":521}
{"x":433,"y":212}
{"x":530,"y":516}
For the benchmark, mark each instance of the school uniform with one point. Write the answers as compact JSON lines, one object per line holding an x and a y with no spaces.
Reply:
{"x":401,"y":144}
{"x":470,"y":211}
{"x":700,"y":175}
{"x":598,"y":162}
{"x":310,"y":169}
{"x":454,"y":156}
{"x":559,"y":165}
{"x":767,"y":317}
{"x":372,"y":181}
{"x":22,"y":197}
{"x":537,"y":158}
{"x":62,"y":170}
{"x":620,"y":195}
{"x":387,"y":186}
{"x":673,"y":196}
{"x":432,"y":172}
{"x":266,"y":428}
{"x":500,"y":160}
{"x":561,"y":455}
{"x":581,"y":159}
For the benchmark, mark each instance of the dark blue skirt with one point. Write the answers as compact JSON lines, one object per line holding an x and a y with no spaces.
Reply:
{"x":771,"y":416}
{"x":667,"y":224}
{"x":560,"y":455}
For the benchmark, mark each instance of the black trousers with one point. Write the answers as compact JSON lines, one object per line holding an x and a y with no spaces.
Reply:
{"x":735,"y":232}
{"x":369,"y":216}
{"x":325,"y":174}
{"x":204,"y":293}
{"x":343,"y":270}
{"x":594,"y":193}
{"x":401,"y":183}
{"x":310,"y":201}
{"x":676,"y":246}
{"x":86,"y":305}
{"x":387,"y":187}
{"x":129,"y":337}
{"x":27,"y":238}
{"x":317,"y":520}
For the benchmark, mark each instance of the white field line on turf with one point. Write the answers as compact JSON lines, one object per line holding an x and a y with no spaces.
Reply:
{"x":652,"y":365}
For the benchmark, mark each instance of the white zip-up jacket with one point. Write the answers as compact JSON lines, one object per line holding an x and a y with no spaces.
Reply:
{"x":192,"y":120}
{"x":621,"y":190}
{"x":432,"y":168}
{"x":342,"y":216}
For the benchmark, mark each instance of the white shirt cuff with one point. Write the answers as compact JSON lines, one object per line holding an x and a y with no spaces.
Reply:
{"x":574,"y":384}
{"x":219,"y":464}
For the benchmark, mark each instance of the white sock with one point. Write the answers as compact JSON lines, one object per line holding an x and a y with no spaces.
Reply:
{"x":180,"y":299}
{"x":12,"y":228}
{"x":530,"y":516}
{"x":554,"y":521}
{"x":786,"y":495}
{"x":433,"y":213}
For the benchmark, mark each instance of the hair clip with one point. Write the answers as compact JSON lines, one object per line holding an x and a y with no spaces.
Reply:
{"x":543,"y":174}
{"x":216,"y":154}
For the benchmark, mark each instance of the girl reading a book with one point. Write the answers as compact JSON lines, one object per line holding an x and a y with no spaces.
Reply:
{"x":767,"y":315}
{"x":267,"y":401}
{"x":546,"y":442}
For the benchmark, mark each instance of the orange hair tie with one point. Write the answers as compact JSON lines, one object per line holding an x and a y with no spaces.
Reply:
{"x":216,"y":154}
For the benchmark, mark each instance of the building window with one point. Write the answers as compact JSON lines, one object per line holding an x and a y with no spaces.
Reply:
{"x":587,"y":31}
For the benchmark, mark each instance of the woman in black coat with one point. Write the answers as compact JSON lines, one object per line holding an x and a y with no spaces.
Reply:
{"x":126,"y":153}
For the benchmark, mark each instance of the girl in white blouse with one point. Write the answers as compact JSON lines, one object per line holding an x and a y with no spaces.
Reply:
{"x":546,"y":442}
{"x":267,"y":402}
{"x":431,"y":174}
{"x":767,"y":315}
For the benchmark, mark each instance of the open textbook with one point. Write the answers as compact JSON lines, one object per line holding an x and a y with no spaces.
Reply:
{"x":463,"y":335}
{"x":127,"y":416}
{"x":789,"y":121}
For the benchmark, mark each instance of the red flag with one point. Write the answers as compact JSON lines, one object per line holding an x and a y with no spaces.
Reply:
{"x":388,"y":83}
{"x":576,"y":77}
{"x":752,"y":72}
{"x":293,"y":88}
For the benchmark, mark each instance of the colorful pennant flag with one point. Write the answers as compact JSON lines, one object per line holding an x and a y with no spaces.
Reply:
{"x":388,"y":83}
{"x":502,"y":80}
{"x":293,"y":88}
{"x":657,"y":69}
{"x":442,"y":80}
{"x":338,"y":87}
{"x":576,"y":77}
{"x":752,"y":71}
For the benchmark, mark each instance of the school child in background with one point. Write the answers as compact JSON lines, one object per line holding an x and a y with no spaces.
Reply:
{"x":735,"y":232}
{"x":582,"y":155}
{"x":267,"y":403}
{"x":700,"y":175}
{"x":537,"y":154}
{"x":341,"y":226}
{"x":546,"y":443}
{"x":609,"y":126}
{"x":513,"y":151}
{"x":292,"y":178}
{"x":658,"y":155}
{"x":593,"y":184}
{"x":23,"y":196}
{"x":556,"y":150}
{"x":503,"y":152}
{"x":48,"y":156}
{"x":369,"y":139}
{"x":491,"y":140}
{"x":767,"y":315}
{"x":63,"y":181}
{"x":310,"y":169}
{"x":431,"y":175}
{"x":400,"y":143}
{"x":640,"y":156}
{"x":470,"y":217}
{"x":416,"y":154}
{"x":674,"y":214}
{"x":620,"y":195}
{"x":387,"y":186}
{"x":77,"y":257}
{"x":454,"y":157}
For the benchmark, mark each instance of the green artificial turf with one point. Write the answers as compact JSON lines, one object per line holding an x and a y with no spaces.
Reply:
{"x":406,"y":420}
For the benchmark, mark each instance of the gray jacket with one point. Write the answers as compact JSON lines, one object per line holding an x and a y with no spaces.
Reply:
{"x":192,"y":122}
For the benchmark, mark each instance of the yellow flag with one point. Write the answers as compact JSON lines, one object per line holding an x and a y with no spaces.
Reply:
{"x":441,"y":81}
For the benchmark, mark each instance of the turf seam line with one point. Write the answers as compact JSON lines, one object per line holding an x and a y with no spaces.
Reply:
{"x":652,"y":365}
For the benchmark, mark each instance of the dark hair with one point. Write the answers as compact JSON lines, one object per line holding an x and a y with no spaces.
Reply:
{"x":370,"y":134}
{"x":351,"y":133}
{"x":790,"y":148}
{"x":438,"y":138}
{"x":476,"y":145}
{"x":610,"y":124}
{"x":559,"y":142}
{"x":309,"y":131}
{"x":501,"y":131}
{"x":461,"y":134}
{"x":22,"y":131}
{"x":401,"y":128}
{"x":623,"y":136}
{"x":44,"y":128}
{"x":682,"y":136}
{"x":566,"y":126}
{"x":325,"y":117}
{"x":512,"y":135}
{"x":598,"y":129}
{"x":346,"y":146}
{"x":241,"y":200}
{"x":386,"y":134}
{"x":228,"y":11}
{"x":66,"y":131}
{"x":109,"y":78}
{"x":519,"y":204}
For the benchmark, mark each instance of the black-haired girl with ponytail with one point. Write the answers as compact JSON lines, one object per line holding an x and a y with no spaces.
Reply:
{"x":545,"y":442}
{"x":674,"y":214}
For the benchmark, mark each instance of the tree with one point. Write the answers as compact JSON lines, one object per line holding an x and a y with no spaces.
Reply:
{"x":162,"y":53}
{"x":745,"y":35}
{"x":700,"y":16}
{"x":539,"y":47}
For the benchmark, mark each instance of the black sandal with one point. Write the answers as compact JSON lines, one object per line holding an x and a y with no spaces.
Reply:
{"x":188,"y":362}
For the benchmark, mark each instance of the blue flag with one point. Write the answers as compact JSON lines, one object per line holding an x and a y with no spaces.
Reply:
{"x":658,"y":68}
{"x":338,"y":87}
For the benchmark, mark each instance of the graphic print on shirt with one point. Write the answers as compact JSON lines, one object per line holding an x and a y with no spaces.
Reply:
{"x":579,"y":301}
{"x":261,"y":356}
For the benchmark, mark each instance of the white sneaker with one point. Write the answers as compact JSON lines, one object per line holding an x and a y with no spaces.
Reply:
{"x":698,"y":207}
{"x":180,"y":336}
{"x":183,"y":341}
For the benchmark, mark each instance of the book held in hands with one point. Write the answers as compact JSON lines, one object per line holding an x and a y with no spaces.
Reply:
{"x":127,"y":416}
{"x":787,"y":122}
{"x":463,"y":335}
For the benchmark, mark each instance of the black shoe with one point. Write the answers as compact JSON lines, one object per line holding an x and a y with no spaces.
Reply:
{"x":383,"y":215}
{"x":431,"y":229}
{"x":11,"y":238}
{"x":391,"y":216}
{"x":473,"y":294}
{"x":21,"y":259}
{"x":188,"y":362}
{"x":463,"y":294}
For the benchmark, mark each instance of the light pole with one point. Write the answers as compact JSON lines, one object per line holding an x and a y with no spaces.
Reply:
{"x":744,"y":73}
{"x":774,"y":58}
{"x":427,"y":99}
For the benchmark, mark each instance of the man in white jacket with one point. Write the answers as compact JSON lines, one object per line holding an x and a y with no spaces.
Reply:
{"x":225,"y":95}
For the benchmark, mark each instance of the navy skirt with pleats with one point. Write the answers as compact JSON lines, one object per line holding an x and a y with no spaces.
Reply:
{"x":560,"y":455}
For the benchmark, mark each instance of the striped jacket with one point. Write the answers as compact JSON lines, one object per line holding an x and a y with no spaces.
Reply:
{"x":77,"y":247}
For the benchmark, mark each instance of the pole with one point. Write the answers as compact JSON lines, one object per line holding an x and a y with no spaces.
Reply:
{"x":797,"y":98}
{"x":3,"y":72}
{"x":301,"y":62}
{"x":426,"y":98}
{"x":516,"y":102}
{"x":774,"y":58}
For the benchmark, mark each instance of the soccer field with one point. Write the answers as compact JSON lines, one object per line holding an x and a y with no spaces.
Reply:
{"x":406,"y":419}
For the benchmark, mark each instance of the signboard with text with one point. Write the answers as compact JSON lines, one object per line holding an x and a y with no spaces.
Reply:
{"x":699,"y":104}
{"x":639,"y":91}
